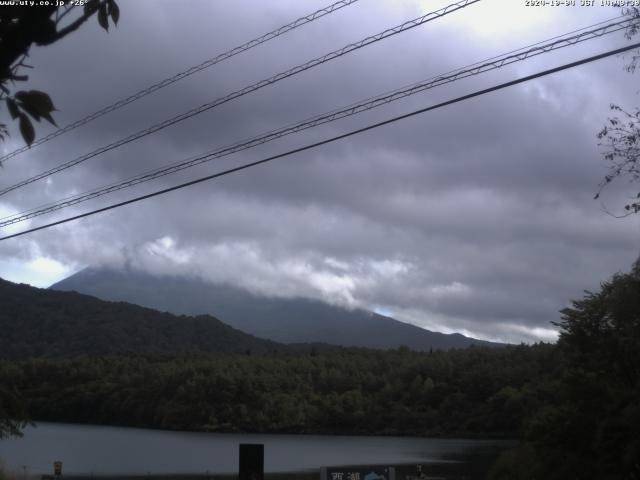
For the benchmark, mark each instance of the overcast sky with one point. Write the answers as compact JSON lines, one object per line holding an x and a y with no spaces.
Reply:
{"x":476,"y":218}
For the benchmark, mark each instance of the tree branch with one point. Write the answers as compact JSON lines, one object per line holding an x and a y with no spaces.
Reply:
{"x":73,"y":26}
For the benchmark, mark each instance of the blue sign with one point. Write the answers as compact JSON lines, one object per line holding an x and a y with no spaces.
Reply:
{"x":360,"y":472}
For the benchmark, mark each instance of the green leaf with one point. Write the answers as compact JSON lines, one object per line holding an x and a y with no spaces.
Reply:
{"x":13,"y":108}
{"x":26,"y":129}
{"x":37,"y":104}
{"x":114,"y":11}
{"x":41,"y":101}
{"x":49,"y":118}
{"x":30,"y":110}
{"x":90,"y":7}
{"x":102,"y":17}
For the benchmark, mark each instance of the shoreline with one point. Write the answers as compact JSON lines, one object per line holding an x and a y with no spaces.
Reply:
{"x":92,"y":452}
{"x":471,"y":469}
{"x":453,"y":470}
{"x":430,"y":435}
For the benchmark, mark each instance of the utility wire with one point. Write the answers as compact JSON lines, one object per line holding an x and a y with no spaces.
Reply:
{"x":190,"y":71}
{"x":353,"y":109}
{"x":251,"y":88}
{"x":372,"y":102}
{"x":333,"y":139}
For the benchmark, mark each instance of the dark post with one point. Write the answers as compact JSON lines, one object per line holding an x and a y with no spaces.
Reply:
{"x":57,"y":468}
{"x":251,"y":461}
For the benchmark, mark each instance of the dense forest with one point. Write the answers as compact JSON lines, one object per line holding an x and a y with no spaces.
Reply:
{"x":44,"y":323}
{"x":574,"y":406}
{"x":477,"y":391}
{"x":587,"y":428}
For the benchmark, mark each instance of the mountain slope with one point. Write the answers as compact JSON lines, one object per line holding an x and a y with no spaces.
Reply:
{"x":45,"y":323}
{"x":282,"y":320}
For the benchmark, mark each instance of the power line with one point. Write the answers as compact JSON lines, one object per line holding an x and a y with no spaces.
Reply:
{"x":251,"y":88}
{"x":190,"y":71}
{"x":373,"y":102}
{"x":332,"y":139}
{"x":353,"y":109}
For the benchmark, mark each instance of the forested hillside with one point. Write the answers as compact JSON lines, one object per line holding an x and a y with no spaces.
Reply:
{"x":575,"y":406}
{"x":587,"y":425}
{"x":478,"y":391}
{"x":43,"y":323}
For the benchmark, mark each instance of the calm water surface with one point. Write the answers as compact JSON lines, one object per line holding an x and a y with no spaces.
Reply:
{"x":115,"y":450}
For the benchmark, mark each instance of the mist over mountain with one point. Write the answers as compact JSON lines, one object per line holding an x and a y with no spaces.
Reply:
{"x":46,"y":323}
{"x":287,"y":320}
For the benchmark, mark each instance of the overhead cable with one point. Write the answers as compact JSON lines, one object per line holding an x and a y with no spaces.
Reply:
{"x":251,"y":88}
{"x":330,"y":140}
{"x":185,"y":73}
{"x":373,"y":102}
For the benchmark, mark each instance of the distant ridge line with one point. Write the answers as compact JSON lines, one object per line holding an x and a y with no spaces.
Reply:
{"x":295,"y":320}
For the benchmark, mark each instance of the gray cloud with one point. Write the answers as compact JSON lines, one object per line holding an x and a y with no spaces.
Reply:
{"x":476,"y":218}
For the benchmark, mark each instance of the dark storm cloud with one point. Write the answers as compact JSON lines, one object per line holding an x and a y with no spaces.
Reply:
{"x":476,"y":218}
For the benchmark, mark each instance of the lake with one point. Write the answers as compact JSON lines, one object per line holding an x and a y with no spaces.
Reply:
{"x":103,"y":450}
